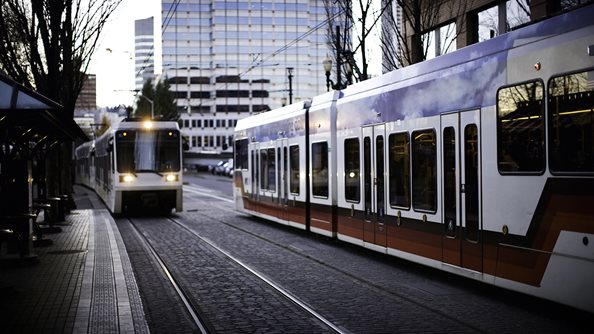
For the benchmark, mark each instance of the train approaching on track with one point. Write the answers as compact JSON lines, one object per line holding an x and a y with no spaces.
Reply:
{"x":479,"y":162}
{"x":134,"y":165}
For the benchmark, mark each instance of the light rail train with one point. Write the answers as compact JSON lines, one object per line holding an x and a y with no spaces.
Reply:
{"x":134,"y":165}
{"x":479,"y":162}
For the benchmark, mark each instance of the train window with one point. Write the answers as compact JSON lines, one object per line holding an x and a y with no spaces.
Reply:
{"x":571,"y":123}
{"x":319,"y":162}
{"x":294,"y":162}
{"x":241,"y":154}
{"x":520,"y":128}
{"x":148,"y":151}
{"x":424,"y":170}
{"x":263,"y":166}
{"x":449,"y":180}
{"x":471,"y":192}
{"x":352,"y":170}
{"x":399,"y":168}
{"x":271,"y":170}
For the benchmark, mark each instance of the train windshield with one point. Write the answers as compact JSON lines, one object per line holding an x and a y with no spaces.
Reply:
{"x":148,"y":151}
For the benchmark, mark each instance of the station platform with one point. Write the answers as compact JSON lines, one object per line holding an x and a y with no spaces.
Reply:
{"x":82,"y":282}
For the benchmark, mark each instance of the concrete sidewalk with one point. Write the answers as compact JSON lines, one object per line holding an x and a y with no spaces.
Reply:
{"x":83,"y":282}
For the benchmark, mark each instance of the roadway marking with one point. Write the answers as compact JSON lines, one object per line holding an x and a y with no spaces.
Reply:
{"x":201,"y":193}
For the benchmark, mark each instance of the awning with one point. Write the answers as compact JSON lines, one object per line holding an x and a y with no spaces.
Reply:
{"x":26,"y":116}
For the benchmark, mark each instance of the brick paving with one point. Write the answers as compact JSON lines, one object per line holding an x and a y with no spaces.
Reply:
{"x":81,"y":283}
{"x":367,"y":292}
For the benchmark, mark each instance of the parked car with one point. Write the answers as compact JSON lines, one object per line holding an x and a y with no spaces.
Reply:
{"x":213,"y":168}
{"x":222,"y":169}
{"x":229,"y":168}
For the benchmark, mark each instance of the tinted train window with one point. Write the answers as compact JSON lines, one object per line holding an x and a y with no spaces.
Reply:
{"x":148,"y":151}
{"x":424,"y":170}
{"x":319,"y":162}
{"x":241,"y":154}
{"x":271,"y":170}
{"x":294,"y":173}
{"x":263,"y":166}
{"x":571,"y":123}
{"x":399,"y":164}
{"x":520,"y":128}
{"x":352,"y":171}
{"x":450,"y":209}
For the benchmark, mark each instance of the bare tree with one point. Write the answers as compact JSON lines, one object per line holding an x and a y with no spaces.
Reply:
{"x":407,"y":26}
{"x":357,"y":21}
{"x":47,"y":45}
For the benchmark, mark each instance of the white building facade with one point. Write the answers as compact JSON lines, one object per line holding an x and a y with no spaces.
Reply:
{"x":226,"y":60}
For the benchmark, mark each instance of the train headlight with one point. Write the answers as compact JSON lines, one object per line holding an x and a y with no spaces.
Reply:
{"x":171,"y":177}
{"x":127,"y":178}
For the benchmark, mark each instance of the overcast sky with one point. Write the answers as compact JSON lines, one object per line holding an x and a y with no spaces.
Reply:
{"x":115,"y":70}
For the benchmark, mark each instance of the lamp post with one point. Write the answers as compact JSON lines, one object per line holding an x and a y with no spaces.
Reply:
{"x":327,"y":63}
{"x":290,"y":75}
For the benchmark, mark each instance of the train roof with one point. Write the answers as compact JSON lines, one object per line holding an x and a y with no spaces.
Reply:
{"x":272,"y":116}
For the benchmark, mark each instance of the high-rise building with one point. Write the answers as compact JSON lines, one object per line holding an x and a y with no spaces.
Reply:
{"x":144,"y":43}
{"x":228,"y":59}
{"x":87,"y":98}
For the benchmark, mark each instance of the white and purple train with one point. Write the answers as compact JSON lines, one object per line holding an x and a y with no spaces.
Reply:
{"x":479,"y":162}
{"x":135,"y":165}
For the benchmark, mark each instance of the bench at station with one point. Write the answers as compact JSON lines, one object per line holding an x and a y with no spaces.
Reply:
{"x":16,"y":243}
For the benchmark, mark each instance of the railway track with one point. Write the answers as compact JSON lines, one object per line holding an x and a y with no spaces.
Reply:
{"x":203,"y":316}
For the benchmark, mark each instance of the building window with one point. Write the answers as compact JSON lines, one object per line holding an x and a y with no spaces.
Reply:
{"x":319,"y":162}
{"x":520,"y":128}
{"x":399,"y":168}
{"x":571,"y":123}
{"x":424,"y":171}
{"x":440,"y":41}
{"x":352,"y":170}
{"x":294,"y":173}
{"x":501,"y":18}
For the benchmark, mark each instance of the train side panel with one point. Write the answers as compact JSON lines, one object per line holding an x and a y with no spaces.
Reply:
{"x":270,"y":176}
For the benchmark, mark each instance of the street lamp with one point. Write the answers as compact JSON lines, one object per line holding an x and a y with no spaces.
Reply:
{"x":327,"y":63}
{"x":152,"y":105}
{"x":110,"y":50}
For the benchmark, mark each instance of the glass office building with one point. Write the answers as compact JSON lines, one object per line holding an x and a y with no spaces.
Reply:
{"x":226,"y":60}
{"x":144,"y":65}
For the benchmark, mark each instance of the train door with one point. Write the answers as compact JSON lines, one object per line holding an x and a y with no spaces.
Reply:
{"x":282,"y":164}
{"x":374,"y":230}
{"x":462,"y":244}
